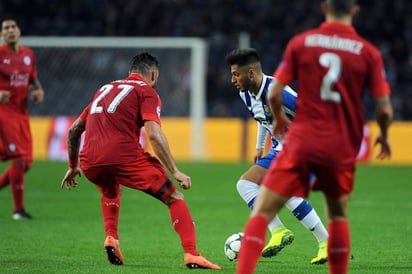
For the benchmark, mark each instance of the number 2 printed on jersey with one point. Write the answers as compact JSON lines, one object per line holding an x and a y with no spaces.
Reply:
{"x":334,"y":63}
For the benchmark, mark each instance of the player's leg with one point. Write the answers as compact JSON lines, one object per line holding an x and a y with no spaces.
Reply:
{"x":307,"y":216}
{"x":282,"y":181}
{"x":110,"y":205}
{"x":248,"y":186}
{"x":4,"y":178}
{"x":15,"y":174}
{"x":148,"y":175}
{"x":182,"y":223}
{"x":339,"y":239}
{"x":337,"y":186}
{"x":16,"y":177}
{"x":106,"y":183}
{"x":16,"y":145}
{"x":267,"y":205}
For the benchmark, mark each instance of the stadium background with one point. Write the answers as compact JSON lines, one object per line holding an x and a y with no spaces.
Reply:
{"x":387,"y":24}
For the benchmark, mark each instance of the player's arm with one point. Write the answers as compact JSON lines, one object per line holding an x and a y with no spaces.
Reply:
{"x":73,"y":147}
{"x":37,"y":92}
{"x":384,"y":117}
{"x":260,"y":142}
{"x":4,"y":96}
{"x":275,"y":100}
{"x":161,"y":148}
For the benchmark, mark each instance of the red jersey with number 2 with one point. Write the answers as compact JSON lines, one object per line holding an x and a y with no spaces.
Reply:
{"x":332,"y":65}
{"x":113,"y":121}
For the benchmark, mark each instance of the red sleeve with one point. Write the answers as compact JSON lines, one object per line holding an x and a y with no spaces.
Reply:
{"x":151,"y":106}
{"x":378,"y":84}
{"x":85,"y":113}
{"x":33,"y":74}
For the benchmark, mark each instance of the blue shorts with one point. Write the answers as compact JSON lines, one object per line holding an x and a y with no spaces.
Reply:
{"x":266,"y":160}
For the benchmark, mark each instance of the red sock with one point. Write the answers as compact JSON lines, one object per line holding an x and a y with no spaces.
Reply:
{"x":4,"y":178}
{"x":252,"y":244}
{"x":16,"y":178}
{"x":338,"y":247}
{"x":183,"y":224}
{"x":110,"y":210}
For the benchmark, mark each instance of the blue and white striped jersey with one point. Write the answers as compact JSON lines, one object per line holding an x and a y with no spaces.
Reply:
{"x":260,"y":110}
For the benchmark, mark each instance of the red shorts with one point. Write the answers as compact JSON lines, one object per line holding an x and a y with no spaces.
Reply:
{"x":145,"y":174}
{"x":290,"y":176}
{"x":15,"y":138}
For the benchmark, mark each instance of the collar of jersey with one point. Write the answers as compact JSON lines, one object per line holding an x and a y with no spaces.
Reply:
{"x":262,"y":86}
{"x":136,"y":76}
{"x":337,"y":26}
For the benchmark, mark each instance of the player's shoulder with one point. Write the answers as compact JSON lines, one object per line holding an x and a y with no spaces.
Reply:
{"x":369,"y":47}
{"x":25,"y":49}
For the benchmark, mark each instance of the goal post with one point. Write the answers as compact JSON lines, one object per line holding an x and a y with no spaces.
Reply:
{"x":58,"y":62}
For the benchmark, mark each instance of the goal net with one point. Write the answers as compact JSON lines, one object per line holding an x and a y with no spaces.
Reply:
{"x":71,"y":69}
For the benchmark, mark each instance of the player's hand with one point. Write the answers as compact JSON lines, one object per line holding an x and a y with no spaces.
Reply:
{"x":183,"y":179}
{"x":385,"y":149}
{"x":4,"y":96}
{"x":37,"y":95}
{"x":280,"y":126}
{"x":69,"y":180}
{"x":258,"y":154}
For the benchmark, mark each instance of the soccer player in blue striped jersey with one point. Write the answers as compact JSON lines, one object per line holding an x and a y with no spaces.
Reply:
{"x":253,"y":85}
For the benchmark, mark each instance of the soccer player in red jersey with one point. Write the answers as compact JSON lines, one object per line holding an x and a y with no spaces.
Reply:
{"x":18,"y":77}
{"x":113,"y":157}
{"x":332,"y":65}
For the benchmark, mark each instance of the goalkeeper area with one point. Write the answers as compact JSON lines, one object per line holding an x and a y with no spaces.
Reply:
{"x":71,"y":69}
{"x":66,"y":233}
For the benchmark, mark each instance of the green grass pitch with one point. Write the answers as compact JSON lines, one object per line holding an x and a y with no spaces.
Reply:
{"x":66,"y":234}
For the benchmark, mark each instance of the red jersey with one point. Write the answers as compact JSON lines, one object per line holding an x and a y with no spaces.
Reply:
{"x":16,"y":72}
{"x":114,"y":119}
{"x":333,"y":65}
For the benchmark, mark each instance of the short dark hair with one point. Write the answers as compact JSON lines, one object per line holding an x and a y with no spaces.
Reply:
{"x":340,"y":8}
{"x":143,"y":63}
{"x":242,"y":57}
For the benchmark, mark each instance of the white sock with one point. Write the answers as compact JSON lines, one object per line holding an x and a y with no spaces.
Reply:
{"x":308,"y":217}
{"x":248,"y":191}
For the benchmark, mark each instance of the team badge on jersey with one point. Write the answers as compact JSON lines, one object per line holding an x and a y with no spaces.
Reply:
{"x":27,"y":60}
{"x":12,"y":147}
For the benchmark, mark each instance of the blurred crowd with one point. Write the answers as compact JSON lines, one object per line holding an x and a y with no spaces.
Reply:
{"x":269,"y":24}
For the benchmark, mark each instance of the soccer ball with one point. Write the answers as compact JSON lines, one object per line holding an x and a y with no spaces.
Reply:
{"x":232,"y":246}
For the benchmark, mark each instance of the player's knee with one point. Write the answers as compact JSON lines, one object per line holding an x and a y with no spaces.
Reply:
{"x":176,"y":195}
{"x":240,"y":186}
{"x":108,"y":192}
{"x":246,"y":186}
{"x":19,"y":162}
{"x":28,"y":165}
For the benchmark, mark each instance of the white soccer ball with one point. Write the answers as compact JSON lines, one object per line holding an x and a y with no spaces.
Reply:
{"x":232,"y":246}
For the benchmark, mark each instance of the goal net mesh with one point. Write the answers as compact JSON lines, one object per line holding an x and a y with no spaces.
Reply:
{"x":71,"y":75}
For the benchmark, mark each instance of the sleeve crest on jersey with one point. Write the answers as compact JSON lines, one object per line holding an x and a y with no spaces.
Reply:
{"x":158,"y":110}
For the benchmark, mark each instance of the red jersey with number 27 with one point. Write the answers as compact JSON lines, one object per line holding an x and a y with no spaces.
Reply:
{"x":114,"y":119}
{"x":332,"y":65}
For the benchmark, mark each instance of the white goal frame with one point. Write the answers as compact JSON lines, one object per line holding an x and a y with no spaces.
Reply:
{"x":198,"y":64}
